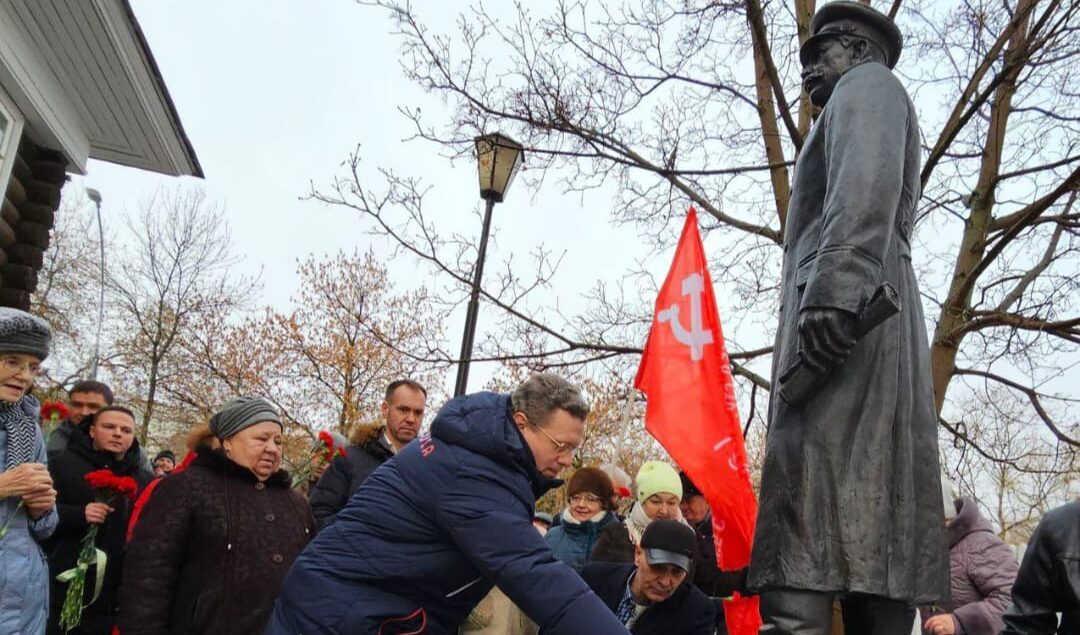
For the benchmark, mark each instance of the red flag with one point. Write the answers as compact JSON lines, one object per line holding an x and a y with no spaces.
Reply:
{"x":691,"y":409}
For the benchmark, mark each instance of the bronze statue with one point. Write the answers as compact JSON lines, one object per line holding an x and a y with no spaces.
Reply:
{"x":851,"y":505}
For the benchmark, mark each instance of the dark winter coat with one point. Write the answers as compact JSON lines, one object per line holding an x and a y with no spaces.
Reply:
{"x":686,"y":612}
{"x":210,"y":551}
{"x":431,"y":532}
{"x":850,"y":491}
{"x":73,"y":494}
{"x":983,"y":569}
{"x":1049,"y":578}
{"x":614,"y":544}
{"x":343,"y":477}
{"x":573,"y":542}
{"x":710,"y":578}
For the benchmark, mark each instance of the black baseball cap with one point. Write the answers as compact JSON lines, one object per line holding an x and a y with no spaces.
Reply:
{"x":669,"y":542}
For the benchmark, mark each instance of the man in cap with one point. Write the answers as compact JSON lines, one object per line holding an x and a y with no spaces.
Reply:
{"x":850,"y":503}
{"x":652,"y":595}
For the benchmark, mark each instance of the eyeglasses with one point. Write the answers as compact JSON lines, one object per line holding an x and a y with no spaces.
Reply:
{"x":584,"y":498}
{"x":561,"y":447}
{"x":15,"y":366}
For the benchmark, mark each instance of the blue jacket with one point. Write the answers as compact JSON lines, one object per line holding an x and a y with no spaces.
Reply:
{"x":431,"y":531}
{"x":573,"y":543}
{"x":24,"y":575}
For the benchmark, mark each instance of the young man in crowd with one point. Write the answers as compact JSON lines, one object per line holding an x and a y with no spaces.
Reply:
{"x":652,"y":596}
{"x":431,"y":532}
{"x":403,"y":412}
{"x":85,"y":399}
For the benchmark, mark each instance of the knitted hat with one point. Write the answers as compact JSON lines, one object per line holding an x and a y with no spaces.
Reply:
{"x":21,"y":332}
{"x":165,"y":454}
{"x":593,"y":481}
{"x":241,"y":413}
{"x":655,"y":477}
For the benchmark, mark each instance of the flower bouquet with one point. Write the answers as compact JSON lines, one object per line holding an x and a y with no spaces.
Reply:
{"x":324,"y":452}
{"x":107,"y":487}
{"x":52,"y":413}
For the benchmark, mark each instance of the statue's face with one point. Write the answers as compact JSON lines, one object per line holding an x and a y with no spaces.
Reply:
{"x":827,"y":60}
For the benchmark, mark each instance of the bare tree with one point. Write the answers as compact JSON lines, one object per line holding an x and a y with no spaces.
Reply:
{"x":323,"y":362}
{"x":173,"y":276}
{"x":67,"y":291}
{"x":1013,"y":470}
{"x":655,"y":98}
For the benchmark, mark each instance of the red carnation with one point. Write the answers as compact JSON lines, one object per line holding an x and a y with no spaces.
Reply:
{"x":106,"y":485}
{"x":54,"y":411}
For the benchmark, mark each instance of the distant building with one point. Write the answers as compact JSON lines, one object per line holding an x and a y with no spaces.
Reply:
{"x":77,"y":80}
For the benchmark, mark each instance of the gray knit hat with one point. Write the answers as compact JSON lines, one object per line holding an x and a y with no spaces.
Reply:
{"x":240,"y":413}
{"x":21,"y":332}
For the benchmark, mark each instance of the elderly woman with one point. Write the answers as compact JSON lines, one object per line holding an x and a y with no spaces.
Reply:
{"x":27,"y":498}
{"x":590,"y":494}
{"x":659,"y":491}
{"x":214,"y":542}
{"x":104,"y":442}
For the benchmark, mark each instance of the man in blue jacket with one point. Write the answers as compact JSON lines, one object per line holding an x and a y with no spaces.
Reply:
{"x":432,"y":530}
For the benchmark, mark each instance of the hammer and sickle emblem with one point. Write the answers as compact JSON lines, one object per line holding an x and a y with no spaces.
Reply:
{"x":696,"y":338}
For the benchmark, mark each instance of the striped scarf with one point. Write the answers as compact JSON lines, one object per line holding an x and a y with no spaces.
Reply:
{"x":20,"y":434}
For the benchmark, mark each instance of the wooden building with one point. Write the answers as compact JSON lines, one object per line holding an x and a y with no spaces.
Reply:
{"x":77,"y":80}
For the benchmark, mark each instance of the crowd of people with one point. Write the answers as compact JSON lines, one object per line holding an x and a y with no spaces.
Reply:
{"x":407,"y":533}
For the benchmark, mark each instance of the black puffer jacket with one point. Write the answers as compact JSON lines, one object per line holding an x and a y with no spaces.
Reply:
{"x":73,"y":494}
{"x":368,"y":451}
{"x":210,"y":551}
{"x":1049,"y":578}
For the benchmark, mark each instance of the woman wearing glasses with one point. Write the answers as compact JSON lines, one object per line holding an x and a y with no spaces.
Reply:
{"x":27,"y":498}
{"x":589,"y":494}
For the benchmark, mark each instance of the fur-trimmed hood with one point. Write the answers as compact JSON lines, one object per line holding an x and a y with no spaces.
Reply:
{"x":365,"y":434}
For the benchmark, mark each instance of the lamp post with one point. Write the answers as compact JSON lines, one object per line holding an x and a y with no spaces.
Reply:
{"x":498,"y":158}
{"x":95,"y":196}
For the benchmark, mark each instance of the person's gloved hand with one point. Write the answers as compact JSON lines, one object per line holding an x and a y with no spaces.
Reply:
{"x":826,"y":337}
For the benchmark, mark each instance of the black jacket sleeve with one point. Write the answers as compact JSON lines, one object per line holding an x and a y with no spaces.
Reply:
{"x":1048,"y":574}
{"x":330,"y":494}
{"x":614,"y":545}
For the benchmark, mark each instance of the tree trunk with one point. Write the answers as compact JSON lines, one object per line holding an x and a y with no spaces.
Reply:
{"x":954,"y":312}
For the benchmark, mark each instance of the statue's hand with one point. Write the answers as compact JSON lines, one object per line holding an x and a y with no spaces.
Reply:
{"x":826,"y":337}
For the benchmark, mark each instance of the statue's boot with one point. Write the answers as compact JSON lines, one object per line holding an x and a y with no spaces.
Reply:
{"x":794,"y":612}
{"x":877,"y":616}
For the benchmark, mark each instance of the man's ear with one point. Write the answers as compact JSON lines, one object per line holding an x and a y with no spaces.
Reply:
{"x":384,"y":408}
{"x":520,"y":420}
{"x":860,"y":50}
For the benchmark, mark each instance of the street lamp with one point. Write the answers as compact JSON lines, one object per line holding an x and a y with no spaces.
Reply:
{"x":95,"y":196}
{"x":498,"y":158}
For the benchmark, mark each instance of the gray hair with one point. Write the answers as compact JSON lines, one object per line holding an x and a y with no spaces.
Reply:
{"x":543,"y":393}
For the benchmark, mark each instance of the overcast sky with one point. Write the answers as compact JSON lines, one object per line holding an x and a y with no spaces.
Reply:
{"x":274,"y":95}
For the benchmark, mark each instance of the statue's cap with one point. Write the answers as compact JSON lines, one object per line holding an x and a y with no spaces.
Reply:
{"x":852,"y":18}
